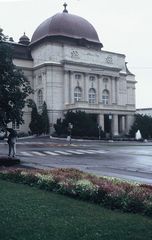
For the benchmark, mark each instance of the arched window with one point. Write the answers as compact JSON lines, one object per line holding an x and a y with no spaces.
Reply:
{"x":40,"y":98}
{"x":105,"y":97}
{"x":77,"y":94}
{"x":92,"y":95}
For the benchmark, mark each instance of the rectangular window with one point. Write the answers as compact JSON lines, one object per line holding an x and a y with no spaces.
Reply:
{"x":15,"y":126}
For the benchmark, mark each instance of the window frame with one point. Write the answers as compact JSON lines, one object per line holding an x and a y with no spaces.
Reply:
{"x":77,"y":94}
{"x":105,"y":97}
{"x":40,"y":98}
{"x":92,"y":96}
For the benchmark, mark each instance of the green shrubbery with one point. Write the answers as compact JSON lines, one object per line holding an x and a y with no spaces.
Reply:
{"x":109,"y":192}
{"x":144,"y":124}
{"x":6,"y":161}
{"x":84,"y":125}
{"x":39,"y":119}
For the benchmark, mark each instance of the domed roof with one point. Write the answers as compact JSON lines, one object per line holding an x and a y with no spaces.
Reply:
{"x":24,"y":40}
{"x":67,"y":25}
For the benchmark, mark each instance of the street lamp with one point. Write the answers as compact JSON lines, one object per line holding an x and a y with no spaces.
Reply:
{"x":110,"y":120}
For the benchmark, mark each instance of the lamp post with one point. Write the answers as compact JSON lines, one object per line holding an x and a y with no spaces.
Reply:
{"x":110,"y":120}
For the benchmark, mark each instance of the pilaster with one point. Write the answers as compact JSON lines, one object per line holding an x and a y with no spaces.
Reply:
{"x":71,"y":88}
{"x":66,"y":88}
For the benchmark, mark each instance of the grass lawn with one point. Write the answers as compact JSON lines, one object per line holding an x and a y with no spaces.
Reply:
{"x":31,"y":214}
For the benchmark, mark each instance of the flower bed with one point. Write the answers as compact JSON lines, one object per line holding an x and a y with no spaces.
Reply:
{"x":110,"y":192}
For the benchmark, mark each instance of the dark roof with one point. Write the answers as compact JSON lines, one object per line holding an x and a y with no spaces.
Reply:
{"x":21,"y":51}
{"x":24,"y":40}
{"x":66,"y":25}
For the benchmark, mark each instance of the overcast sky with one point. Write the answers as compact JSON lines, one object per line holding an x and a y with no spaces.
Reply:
{"x":123,"y":26}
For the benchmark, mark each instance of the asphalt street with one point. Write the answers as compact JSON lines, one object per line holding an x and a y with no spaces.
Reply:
{"x":125,"y":160}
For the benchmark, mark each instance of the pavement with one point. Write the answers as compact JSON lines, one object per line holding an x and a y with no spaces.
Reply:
{"x":125,"y":160}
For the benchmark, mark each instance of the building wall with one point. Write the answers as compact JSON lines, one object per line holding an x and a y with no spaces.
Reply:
{"x":53,"y":72}
{"x":55,"y":52}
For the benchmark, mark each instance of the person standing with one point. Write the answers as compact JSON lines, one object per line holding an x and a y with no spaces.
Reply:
{"x":12,"y":138}
{"x":69,"y":131}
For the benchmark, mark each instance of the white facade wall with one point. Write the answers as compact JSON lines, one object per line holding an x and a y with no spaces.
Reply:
{"x":53,"y":71}
{"x":55,"y":53}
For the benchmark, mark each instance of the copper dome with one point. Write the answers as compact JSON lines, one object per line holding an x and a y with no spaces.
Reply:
{"x":67,"y":25}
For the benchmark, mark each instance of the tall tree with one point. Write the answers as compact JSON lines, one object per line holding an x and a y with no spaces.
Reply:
{"x":35,"y":120}
{"x":144,"y":124}
{"x":14,"y":86}
{"x":45,"y":119}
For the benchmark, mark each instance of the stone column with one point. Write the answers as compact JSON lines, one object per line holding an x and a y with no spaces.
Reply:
{"x":123,"y":124}
{"x":120,"y":124}
{"x":115,"y":125}
{"x":101,"y":120}
{"x":99,"y":89}
{"x":116,"y":89}
{"x":113,"y":91}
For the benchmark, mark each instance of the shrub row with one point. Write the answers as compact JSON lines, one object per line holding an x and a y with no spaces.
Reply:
{"x":109,"y":192}
{"x":7,"y":161}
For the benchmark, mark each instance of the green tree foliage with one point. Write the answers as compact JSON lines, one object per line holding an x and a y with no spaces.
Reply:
{"x":83,"y":124}
{"x":14,"y":87}
{"x":45,"y":119}
{"x":39,"y":122}
{"x":35,"y":120}
{"x":144,"y":124}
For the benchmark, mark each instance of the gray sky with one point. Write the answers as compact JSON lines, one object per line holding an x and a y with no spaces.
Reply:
{"x":123,"y":26}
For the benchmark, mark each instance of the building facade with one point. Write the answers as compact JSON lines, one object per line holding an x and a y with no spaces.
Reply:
{"x":68,"y":69}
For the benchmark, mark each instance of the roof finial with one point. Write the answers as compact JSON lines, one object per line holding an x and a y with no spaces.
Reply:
{"x":65,"y":10}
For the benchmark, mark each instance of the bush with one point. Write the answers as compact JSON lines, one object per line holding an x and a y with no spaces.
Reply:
{"x":144,"y":124}
{"x":86,"y":190}
{"x":135,"y":201}
{"x":83,"y":125}
{"x":46,"y":182}
{"x":28,"y":177}
{"x":6,"y":161}
{"x":148,"y":208}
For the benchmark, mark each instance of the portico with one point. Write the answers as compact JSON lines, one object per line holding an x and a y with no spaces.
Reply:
{"x":119,"y":123}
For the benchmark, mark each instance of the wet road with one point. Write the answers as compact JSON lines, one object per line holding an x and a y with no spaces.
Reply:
{"x":131,"y":161}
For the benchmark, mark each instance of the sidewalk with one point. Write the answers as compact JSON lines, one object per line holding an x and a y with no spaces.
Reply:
{"x":50,"y":139}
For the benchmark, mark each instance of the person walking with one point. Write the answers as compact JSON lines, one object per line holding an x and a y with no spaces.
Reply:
{"x":12,"y":138}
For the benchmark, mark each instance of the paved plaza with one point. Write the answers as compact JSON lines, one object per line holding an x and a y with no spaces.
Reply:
{"x":125,"y":160}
